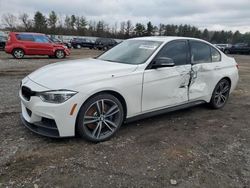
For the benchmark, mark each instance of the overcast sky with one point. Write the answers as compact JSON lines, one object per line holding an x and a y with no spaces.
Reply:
{"x":213,"y":14}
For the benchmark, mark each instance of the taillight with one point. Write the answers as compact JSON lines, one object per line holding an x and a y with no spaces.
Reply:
{"x":237,"y":66}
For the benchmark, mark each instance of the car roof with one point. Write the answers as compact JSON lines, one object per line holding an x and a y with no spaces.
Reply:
{"x":27,"y":33}
{"x":166,"y":38}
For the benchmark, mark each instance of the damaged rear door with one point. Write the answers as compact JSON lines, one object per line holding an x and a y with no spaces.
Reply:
{"x":204,"y":70}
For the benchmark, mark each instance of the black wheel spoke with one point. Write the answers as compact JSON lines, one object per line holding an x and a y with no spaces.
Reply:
{"x":221,"y":86}
{"x":98,"y":108}
{"x":113,"y":110}
{"x":108,"y":126}
{"x":103,"y":107}
{"x":110,"y":123}
{"x":95,"y":130}
{"x":225,"y":89}
{"x":223,"y":98}
{"x":91,"y":121}
{"x":99,"y":130}
{"x":218,"y":101}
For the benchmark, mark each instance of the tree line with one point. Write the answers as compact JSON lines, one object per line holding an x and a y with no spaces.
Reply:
{"x":79,"y":25}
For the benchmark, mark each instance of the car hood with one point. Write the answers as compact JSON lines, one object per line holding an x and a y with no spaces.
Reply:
{"x":70,"y":74}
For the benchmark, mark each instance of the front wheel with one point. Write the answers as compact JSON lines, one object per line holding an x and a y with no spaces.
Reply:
{"x":100,"y":118}
{"x":59,"y":54}
{"x":18,"y":53}
{"x":220,"y":94}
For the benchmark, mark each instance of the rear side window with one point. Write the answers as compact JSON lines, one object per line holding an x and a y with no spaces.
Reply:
{"x":216,"y":57}
{"x":200,"y":52}
{"x":24,"y":37}
{"x":203,"y":53}
{"x":177,"y":50}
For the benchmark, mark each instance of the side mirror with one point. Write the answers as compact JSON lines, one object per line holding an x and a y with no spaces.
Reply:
{"x":163,"y":62}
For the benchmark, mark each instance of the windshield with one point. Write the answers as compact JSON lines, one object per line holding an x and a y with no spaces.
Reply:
{"x":131,"y":52}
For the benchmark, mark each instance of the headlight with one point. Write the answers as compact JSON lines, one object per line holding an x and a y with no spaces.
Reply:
{"x":59,"y":96}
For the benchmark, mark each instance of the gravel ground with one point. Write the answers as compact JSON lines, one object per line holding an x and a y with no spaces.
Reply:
{"x":196,"y":147}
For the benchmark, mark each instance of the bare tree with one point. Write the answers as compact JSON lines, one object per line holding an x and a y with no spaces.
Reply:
{"x":26,"y":22}
{"x":122,"y":29}
{"x":9,"y":20}
{"x":128,"y":29}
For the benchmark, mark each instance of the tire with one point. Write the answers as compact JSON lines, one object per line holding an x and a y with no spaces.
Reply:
{"x":60,"y":54}
{"x":97,"y":122}
{"x":78,"y":46}
{"x":220,"y":94}
{"x":18,"y":53}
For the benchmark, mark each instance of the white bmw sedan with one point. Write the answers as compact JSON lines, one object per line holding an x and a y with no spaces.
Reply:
{"x":138,"y":78}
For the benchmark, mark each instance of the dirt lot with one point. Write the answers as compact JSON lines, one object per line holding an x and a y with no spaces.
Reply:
{"x":197,"y":147}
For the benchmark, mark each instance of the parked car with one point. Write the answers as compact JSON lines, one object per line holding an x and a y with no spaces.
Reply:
{"x":20,"y":44}
{"x":82,"y":43}
{"x":240,"y":48}
{"x":2,"y":42}
{"x":222,"y":47}
{"x":105,"y":43}
{"x":58,"y":41}
{"x":138,"y":78}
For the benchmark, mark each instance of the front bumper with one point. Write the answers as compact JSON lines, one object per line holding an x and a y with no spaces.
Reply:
{"x":48,"y":119}
{"x":67,"y":51}
{"x":42,"y":128}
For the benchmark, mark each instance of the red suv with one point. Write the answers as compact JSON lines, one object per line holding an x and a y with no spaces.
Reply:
{"x":20,"y":44}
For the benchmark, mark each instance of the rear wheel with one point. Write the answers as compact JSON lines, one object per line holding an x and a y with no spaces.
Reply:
{"x":100,"y":118}
{"x":59,"y":54}
{"x":18,"y":53}
{"x":78,"y":46}
{"x":220,"y":94}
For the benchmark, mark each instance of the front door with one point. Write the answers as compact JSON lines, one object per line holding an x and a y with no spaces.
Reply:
{"x":42,"y":45}
{"x":167,"y":86}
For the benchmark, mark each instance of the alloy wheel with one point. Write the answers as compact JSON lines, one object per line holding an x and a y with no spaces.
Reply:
{"x":18,"y":53}
{"x":102,"y":119}
{"x":60,"y":54}
{"x":221,"y":93}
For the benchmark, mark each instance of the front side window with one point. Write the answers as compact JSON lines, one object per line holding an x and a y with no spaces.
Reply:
{"x":177,"y":50}
{"x":200,"y":52}
{"x":41,"y":39}
{"x":131,"y":52}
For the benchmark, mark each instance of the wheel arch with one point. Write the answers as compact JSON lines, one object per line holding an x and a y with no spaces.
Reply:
{"x":225,"y":77}
{"x":16,"y":48}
